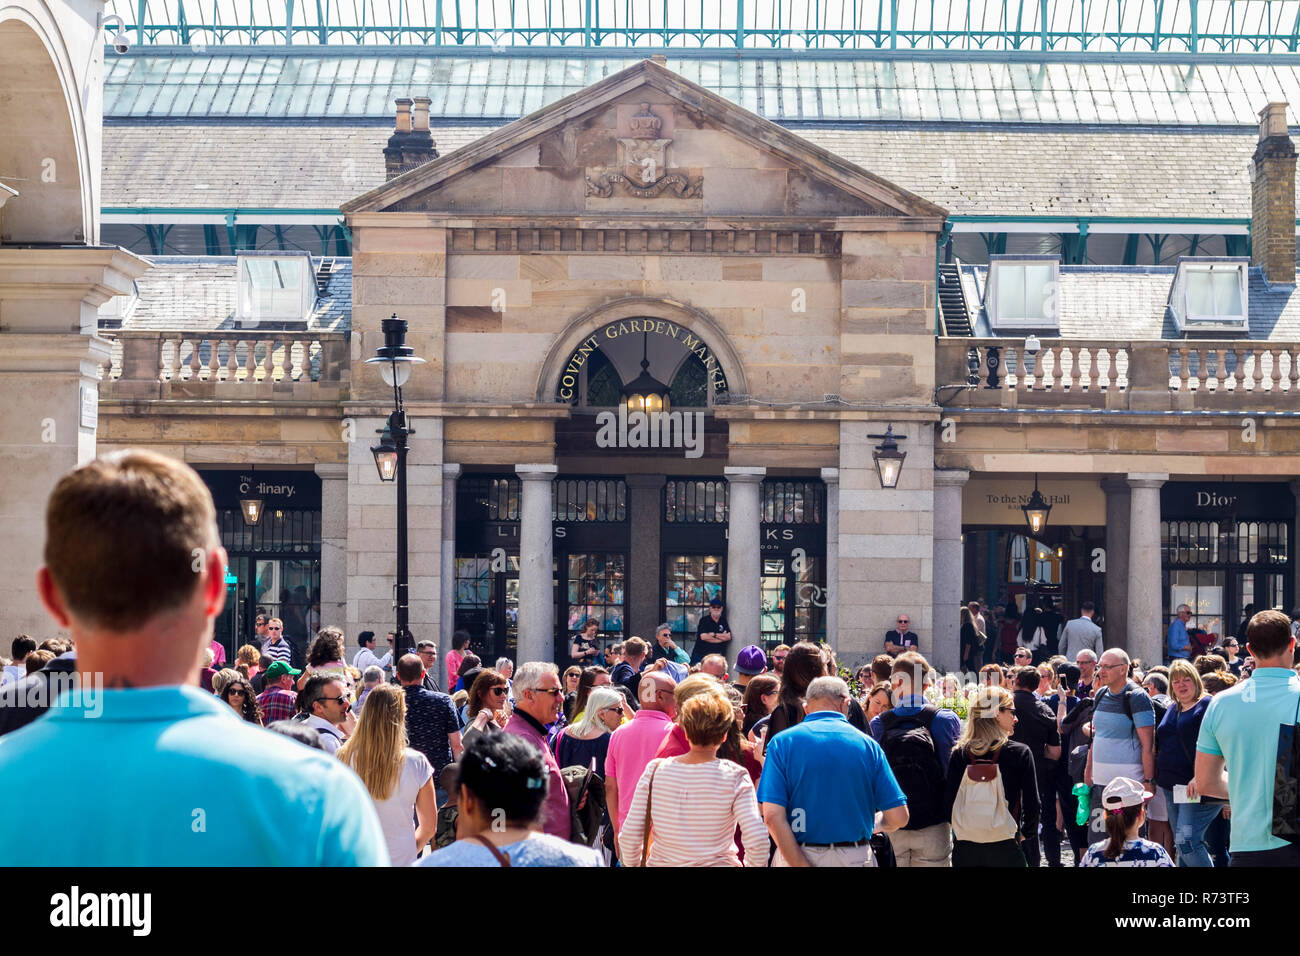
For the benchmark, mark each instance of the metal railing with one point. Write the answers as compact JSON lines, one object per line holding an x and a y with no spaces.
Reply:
{"x":1209,"y":26}
{"x":223,"y":364}
{"x":1137,"y":374}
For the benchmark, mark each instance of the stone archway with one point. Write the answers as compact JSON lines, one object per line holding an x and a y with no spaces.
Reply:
{"x":45,"y":150}
{"x":634,"y":307}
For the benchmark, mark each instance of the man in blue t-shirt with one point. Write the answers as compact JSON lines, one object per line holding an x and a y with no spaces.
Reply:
{"x":823,"y":784}
{"x":1177,"y":644}
{"x":1123,"y":734}
{"x":1241,"y":732}
{"x":152,"y":771}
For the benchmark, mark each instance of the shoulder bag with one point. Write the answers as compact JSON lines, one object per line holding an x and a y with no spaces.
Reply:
{"x":503,"y":858}
{"x":649,"y":799}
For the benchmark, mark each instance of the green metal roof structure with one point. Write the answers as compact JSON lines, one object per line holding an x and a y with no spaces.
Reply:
{"x":1043,"y":26}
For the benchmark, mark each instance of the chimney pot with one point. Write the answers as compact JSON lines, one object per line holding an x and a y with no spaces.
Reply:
{"x":1272,"y":120}
{"x":420,"y":114}
{"x":403,"y":114}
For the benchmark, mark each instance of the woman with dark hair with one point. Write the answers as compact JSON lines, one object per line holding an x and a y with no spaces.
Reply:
{"x":502,"y":785}
{"x":1124,"y":803}
{"x":459,"y":648}
{"x":971,"y":649}
{"x":325,"y":659}
{"x":486,"y":710}
{"x":804,"y":665}
{"x":591,"y":677}
{"x":238,"y":693}
{"x":470,"y":666}
{"x":761,"y":694}
{"x":1007,"y":634}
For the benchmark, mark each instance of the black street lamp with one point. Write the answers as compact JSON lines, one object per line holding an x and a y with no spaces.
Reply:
{"x":889,"y":460}
{"x":1037,"y":510}
{"x":645,"y":393}
{"x":395,"y":360}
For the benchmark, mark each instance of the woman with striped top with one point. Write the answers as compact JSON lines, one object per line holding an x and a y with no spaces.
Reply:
{"x":691,"y":804}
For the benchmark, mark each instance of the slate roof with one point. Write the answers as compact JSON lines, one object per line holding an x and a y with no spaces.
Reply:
{"x":1128,"y":302}
{"x":198,"y":294}
{"x":1186,"y":174}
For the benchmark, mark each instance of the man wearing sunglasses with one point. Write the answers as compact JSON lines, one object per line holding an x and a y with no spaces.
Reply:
{"x":538,"y":701}
{"x":329,"y":711}
{"x":901,"y":639}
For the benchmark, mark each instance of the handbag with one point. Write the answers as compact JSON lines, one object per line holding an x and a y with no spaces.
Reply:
{"x":649,"y":799}
{"x":1286,"y":787}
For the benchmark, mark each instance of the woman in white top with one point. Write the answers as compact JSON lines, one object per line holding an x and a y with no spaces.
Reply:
{"x":693,"y":803}
{"x":397,"y":777}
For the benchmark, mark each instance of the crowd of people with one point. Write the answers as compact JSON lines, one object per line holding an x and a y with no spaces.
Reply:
{"x":638,"y":754}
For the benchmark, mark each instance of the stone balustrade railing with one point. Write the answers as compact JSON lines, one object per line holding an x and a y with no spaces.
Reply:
{"x":226,"y":364}
{"x":1108,"y":374}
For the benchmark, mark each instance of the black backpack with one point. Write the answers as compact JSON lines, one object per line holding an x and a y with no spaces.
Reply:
{"x":909,"y":748}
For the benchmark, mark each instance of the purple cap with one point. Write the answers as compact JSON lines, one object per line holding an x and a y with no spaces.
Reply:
{"x":751,"y":660}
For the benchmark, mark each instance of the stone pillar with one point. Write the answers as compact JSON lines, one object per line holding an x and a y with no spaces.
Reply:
{"x":447,"y":620}
{"x":947,"y":568}
{"x":1114,"y":627}
{"x":744,"y":555}
{"x":50,"y":356}
{"x":886,"y":540}
{"x":536,"y":564}
{"x":1145,"y":623}
{"x":831,"y":476}
{"x":334,"y":546}
{"x":1295,"y":562}
{"x":644,"y":607}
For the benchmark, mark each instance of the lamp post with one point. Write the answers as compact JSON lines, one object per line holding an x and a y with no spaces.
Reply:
{"x":889,"y":460}
{"x":395,"y":360}
{"x":645,"y":393}
{"x":1037,"y":510}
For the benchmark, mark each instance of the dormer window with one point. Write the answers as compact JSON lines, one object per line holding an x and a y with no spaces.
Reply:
{"x":1022,"y":294}
{"x":1210,"y":296}
{"x":275,"y":287}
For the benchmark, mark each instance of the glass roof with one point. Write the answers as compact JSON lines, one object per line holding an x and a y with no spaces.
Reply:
{"x":260,"y":83}
{"x":1240,"y":26}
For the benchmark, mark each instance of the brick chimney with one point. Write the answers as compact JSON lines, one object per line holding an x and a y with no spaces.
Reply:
{"x":1272,"y":198}
{"x":411,"y":144}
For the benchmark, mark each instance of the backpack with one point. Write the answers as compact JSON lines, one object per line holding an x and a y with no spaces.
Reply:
{"x":582,"y":781}
{"x":980,"y":813}
{"x":909,"y":747}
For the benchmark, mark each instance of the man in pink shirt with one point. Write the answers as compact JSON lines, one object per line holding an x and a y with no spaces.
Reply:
{"x":538,"y":700}
{"x":633,"y":745}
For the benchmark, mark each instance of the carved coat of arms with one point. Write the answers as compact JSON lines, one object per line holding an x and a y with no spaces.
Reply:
{"x":643,"y":164}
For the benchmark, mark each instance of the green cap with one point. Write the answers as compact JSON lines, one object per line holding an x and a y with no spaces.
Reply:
{"x":279,"y":669}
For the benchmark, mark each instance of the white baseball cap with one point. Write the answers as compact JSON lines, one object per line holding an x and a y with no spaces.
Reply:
{"x":1124,"y":792}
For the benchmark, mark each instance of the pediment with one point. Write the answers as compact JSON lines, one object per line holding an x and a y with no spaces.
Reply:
{"x":644,"y":142}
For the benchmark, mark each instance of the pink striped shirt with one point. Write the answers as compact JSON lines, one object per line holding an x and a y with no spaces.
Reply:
{"x":694,"y":814}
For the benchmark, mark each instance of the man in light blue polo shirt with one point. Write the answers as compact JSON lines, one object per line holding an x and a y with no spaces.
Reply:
{"x":1240,"y":733}
{"x":824,"y":782}
{"x":139,"y":766}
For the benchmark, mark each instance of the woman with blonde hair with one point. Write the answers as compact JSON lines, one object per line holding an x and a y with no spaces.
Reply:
{"x":686,"y":809}
{"x":577,"y":744}
{"x":397,"y":777}
{"x":1176,"y":765}
{"x":992,"y":786}
{"x":248,"y":661}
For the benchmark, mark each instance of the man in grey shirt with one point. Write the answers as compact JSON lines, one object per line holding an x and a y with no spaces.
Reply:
{"x":1081,"y":633}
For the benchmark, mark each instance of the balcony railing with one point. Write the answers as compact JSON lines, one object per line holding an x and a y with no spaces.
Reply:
{"x":1153,"y":375}
{"x":226,"y":364}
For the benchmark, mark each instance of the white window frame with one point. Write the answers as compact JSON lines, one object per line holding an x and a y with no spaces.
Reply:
{"x":291,"y":308}
{"x":1011,"y":268}
{"x":1226,"y":323}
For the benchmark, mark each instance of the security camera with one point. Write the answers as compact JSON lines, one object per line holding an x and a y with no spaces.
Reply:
{"x":121,"y":42}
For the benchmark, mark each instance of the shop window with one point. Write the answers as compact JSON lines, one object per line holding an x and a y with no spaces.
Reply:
{"x":490,"y":499}
{"x":793,"y":502}
{"x":693,"y":580}
{"x":1203,"y":592}
{"x":1022,"y":293}
{"x":1210,"y":295}
{"x":577,"y":499}
{"x":596,"y":593}
{"x":693,"y":501}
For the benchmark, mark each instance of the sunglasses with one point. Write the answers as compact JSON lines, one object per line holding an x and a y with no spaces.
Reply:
{"x":337,"y":700}
{"x":497,"y":691}
{"x":903,"y":620}
{"x":547,"y":690}
{"x":234,"y":692}
{"x":617,"y":710}
{"x":275,"y":629}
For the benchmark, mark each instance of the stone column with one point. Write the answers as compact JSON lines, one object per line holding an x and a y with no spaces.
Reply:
{"x":447,"y":619}
{"x":886,"y":540}
{"x":744,"y":555}
{"x":1295,"y":560}
{"x":1145,"y":630}
{"x":334,"y":545}
{"x":50,"y":356}
{"x":536,"y":565}
{"x":1114,"y":628}
{"x":644,"y":609}
{"x":831,"y":476}
{"x":947,"y":567}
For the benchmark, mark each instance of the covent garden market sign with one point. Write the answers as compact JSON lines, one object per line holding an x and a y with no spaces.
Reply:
{"x":662,"y":328}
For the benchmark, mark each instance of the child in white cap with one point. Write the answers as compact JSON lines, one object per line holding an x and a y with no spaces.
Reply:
{"x":1124,"y":803}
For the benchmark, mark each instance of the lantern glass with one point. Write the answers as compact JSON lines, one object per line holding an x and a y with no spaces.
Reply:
{"x":386,"y":462}
{"x":252,"y":510}
{"x":890,"y":466}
